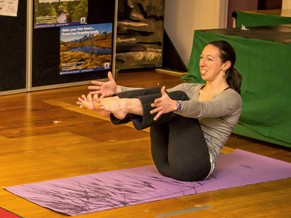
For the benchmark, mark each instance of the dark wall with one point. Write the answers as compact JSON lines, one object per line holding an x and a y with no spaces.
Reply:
{"x":13,"y":50}
{"x":269,"y":4}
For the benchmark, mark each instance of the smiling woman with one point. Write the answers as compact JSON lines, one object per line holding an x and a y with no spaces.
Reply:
{"x":189,"y":123}
{"x":217,"y":65}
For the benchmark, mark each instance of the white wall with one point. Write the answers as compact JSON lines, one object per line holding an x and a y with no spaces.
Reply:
{"x":182,"y":17}
{"x":286,"y":4}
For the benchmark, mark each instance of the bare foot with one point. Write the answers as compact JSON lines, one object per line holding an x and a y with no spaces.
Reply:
{"x":115,"y":105}
{"x":102,"y":112}
{"x":97,"y":106}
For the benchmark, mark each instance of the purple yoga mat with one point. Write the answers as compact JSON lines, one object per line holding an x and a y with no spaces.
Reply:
{"x":107,"y":190}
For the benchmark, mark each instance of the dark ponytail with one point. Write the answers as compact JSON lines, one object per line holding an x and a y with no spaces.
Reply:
{"x":233,"y":79}
{"x":227,"y":53}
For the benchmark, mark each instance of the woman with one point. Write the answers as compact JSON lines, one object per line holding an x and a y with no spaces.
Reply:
{"x":189,"y":123}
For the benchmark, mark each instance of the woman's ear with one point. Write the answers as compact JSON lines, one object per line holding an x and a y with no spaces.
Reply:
{"x":226,"y":65}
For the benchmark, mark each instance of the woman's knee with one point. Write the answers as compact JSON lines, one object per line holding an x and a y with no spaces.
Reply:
{"x":178,"y":95}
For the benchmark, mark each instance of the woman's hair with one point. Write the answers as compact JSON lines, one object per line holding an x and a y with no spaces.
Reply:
{"x":227,"y":53}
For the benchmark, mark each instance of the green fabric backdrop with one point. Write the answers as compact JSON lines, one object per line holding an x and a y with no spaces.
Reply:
{"x":266,"y":88}
{"x":249,"y":19}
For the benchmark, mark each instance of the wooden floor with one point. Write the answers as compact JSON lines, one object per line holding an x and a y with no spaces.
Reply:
{"x":44,"y":135}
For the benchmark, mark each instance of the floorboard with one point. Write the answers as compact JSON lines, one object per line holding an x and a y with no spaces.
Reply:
{"x":44,"y":135}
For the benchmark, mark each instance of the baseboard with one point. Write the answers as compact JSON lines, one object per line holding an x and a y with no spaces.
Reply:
{"x":170,"y":72}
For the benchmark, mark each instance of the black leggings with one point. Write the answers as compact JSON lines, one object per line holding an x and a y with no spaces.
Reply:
{"x":178,"y":146}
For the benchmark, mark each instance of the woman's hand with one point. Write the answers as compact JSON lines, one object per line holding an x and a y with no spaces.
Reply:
{"x":163,"y":105}
{"x":104,"y":89}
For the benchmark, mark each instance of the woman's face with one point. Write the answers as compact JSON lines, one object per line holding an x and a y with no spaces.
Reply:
{"x":210,"y":64}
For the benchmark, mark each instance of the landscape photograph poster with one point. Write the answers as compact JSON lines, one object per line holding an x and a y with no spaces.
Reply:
{"x":85,"y":48}
{"x":57,"y":13}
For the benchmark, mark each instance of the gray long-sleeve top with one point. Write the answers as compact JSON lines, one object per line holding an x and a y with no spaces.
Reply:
{"x":217,"y":116}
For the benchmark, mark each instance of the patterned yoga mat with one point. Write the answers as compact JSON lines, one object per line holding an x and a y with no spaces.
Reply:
{"x":113,"y":189}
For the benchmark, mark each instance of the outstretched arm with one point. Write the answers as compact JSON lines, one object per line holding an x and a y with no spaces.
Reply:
{"x":163,"y":104}
{"x":105,"y":89}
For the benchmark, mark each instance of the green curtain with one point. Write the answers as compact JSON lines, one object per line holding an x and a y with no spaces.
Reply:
{"x":249,"y":19}
{"x":266,"y":90}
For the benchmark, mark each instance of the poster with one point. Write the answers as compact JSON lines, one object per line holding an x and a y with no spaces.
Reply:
{"x":86,"y":48}
{"x":8,"y":7}
{"x":56,"y":13}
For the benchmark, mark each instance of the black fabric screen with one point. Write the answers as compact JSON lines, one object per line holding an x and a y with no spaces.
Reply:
{"x":46,"y":48}
{"x":13,"y":50}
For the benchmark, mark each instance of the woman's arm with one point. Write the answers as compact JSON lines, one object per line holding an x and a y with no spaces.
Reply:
{"x":224,"y":104}
{"x":107,"y":88}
